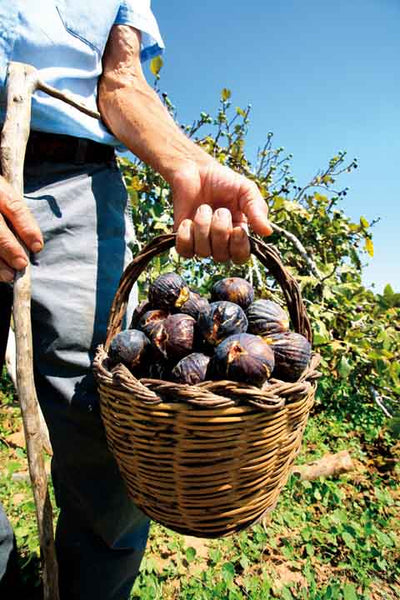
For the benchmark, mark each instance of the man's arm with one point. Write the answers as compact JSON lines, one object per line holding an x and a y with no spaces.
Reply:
{"x":212,"y":204}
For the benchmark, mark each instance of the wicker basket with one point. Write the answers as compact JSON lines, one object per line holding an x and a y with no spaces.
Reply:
{"x":205,"y":460}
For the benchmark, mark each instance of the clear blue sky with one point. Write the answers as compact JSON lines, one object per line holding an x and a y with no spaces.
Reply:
{"x":322,"y":75}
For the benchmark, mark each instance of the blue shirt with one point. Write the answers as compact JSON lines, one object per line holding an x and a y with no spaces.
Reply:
{"x":65,"y":41}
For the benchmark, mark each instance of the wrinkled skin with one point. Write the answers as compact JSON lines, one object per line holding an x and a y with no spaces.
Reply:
{"x":245,"y":358}
{"x":292,"y":353}
{"x":131,"y":348}
{"x":192,"y":369}
{"x":222,"y":320}
{"x":266,"y":318}
{"x":233,"y":289}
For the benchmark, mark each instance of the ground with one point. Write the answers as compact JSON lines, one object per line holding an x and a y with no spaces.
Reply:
{"x":336,"y":538}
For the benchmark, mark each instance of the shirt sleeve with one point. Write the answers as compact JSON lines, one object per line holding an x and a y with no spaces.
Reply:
{"x":138,"y":14}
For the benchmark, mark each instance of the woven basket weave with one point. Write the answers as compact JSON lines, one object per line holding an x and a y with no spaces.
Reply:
{"x":210,"y":459}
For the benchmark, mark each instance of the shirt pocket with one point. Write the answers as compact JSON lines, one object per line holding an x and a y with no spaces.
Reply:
{"x":89,"y":20}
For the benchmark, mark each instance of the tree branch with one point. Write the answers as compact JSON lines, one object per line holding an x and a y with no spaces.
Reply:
{"x":300,"y":248}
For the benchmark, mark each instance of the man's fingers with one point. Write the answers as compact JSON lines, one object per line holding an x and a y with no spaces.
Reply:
{"x":185,"y":239}
{"x":11,"y":251}
{"x":221,"y":229}
{"x":201,"y":229}
{"x":253,"y":205}
{"x":6,"y":274}
{"x":239,"y":246}
{"x":213,"y":234}
{"x":14,"y":209}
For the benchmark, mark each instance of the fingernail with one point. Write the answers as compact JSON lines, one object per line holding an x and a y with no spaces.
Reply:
{"x":186,"y":224}
{"x":36,"y":247}
{"x":268,"y":224}
{"x":205,"y":209}
{"x":19,"y":263}
{"x":221,"y":213}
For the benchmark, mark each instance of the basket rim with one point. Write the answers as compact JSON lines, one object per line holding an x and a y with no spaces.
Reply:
{"x":207,"y":394}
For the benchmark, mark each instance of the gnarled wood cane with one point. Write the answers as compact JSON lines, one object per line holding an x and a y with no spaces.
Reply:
{"x":22,"y":81}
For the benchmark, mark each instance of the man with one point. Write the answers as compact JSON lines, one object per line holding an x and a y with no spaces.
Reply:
{"x":74,"y":227}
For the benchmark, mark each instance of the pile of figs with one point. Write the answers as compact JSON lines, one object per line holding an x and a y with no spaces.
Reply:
{"x":180,"y":336}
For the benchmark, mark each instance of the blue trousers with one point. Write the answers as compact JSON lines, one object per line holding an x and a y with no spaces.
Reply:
{"x":101,"y":535}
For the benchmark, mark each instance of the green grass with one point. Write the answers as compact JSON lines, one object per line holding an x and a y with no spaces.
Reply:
{"x":336,"y":538}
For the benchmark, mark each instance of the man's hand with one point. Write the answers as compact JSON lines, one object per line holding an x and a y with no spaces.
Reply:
{"x":212,"y":204}
{"x":213,"y":207}
{"x":15,"y":214}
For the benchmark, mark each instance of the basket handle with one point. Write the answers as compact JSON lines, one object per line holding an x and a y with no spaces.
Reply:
{"x":266,"y":254}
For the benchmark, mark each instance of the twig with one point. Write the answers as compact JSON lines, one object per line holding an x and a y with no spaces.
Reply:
{"x":65,"y":97}
{"x":378,"y":399}
{"x":299,"y":246}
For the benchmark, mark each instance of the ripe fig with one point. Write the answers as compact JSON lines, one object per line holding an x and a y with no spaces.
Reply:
{"x":191,"y":369}
{"x":194,"y":305}
{"x":131,"y":348}
{"x":266,"y":317}
{"x":222,"y":320}
{"x":138,"y":313}
{"x":233,"y":289}
{"x":150,"y":319}
{"x":174,"y":337}
{"x":169,"y":291}
{"x":292,"y":353}
{"x":245,"y":358}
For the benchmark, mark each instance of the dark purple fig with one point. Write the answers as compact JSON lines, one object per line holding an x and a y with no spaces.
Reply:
{"x":233,"y":289}
{"x":157,"y":338}
{"x":245,"y":358}
{"x":194,"y":305}
{"x":168,"y":291}
{"x":174,"y":337}
{"x":138,"y":313}
{"x":292,"y":354}
{"x":222,"y":320}
{"x":150,"y":319}
{"x":131,"y":348}
{"x":191,"y":369}
{"x":266,"y":318}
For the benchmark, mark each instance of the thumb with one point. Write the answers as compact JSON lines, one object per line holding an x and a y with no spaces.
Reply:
{"x":253,"y":205}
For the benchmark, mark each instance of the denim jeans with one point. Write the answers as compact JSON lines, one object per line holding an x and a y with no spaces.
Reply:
{"x":81,"y":209}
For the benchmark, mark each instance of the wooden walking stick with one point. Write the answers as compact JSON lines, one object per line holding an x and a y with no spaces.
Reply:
{"x":22,"y":81}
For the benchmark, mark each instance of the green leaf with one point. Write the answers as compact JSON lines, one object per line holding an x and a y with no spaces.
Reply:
{"x":190,"y":554}
{"x":156,"y":65}
{"x":348,"y":540}
{"x":364,"y":223}
{"x":349,"y":592}
{"x":369,"y":246}
{"x":321,"y":335}
{"x":228,"y":571}
{"x":394,"y":426}
{"x":306,"y":534}
{"x":134,"y":198}
{"x":388,"y":291}
{"x":240,"y":111}
{"x":225,"y":94}
{"x":344,"y":367}
{"x":286,"y":594}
